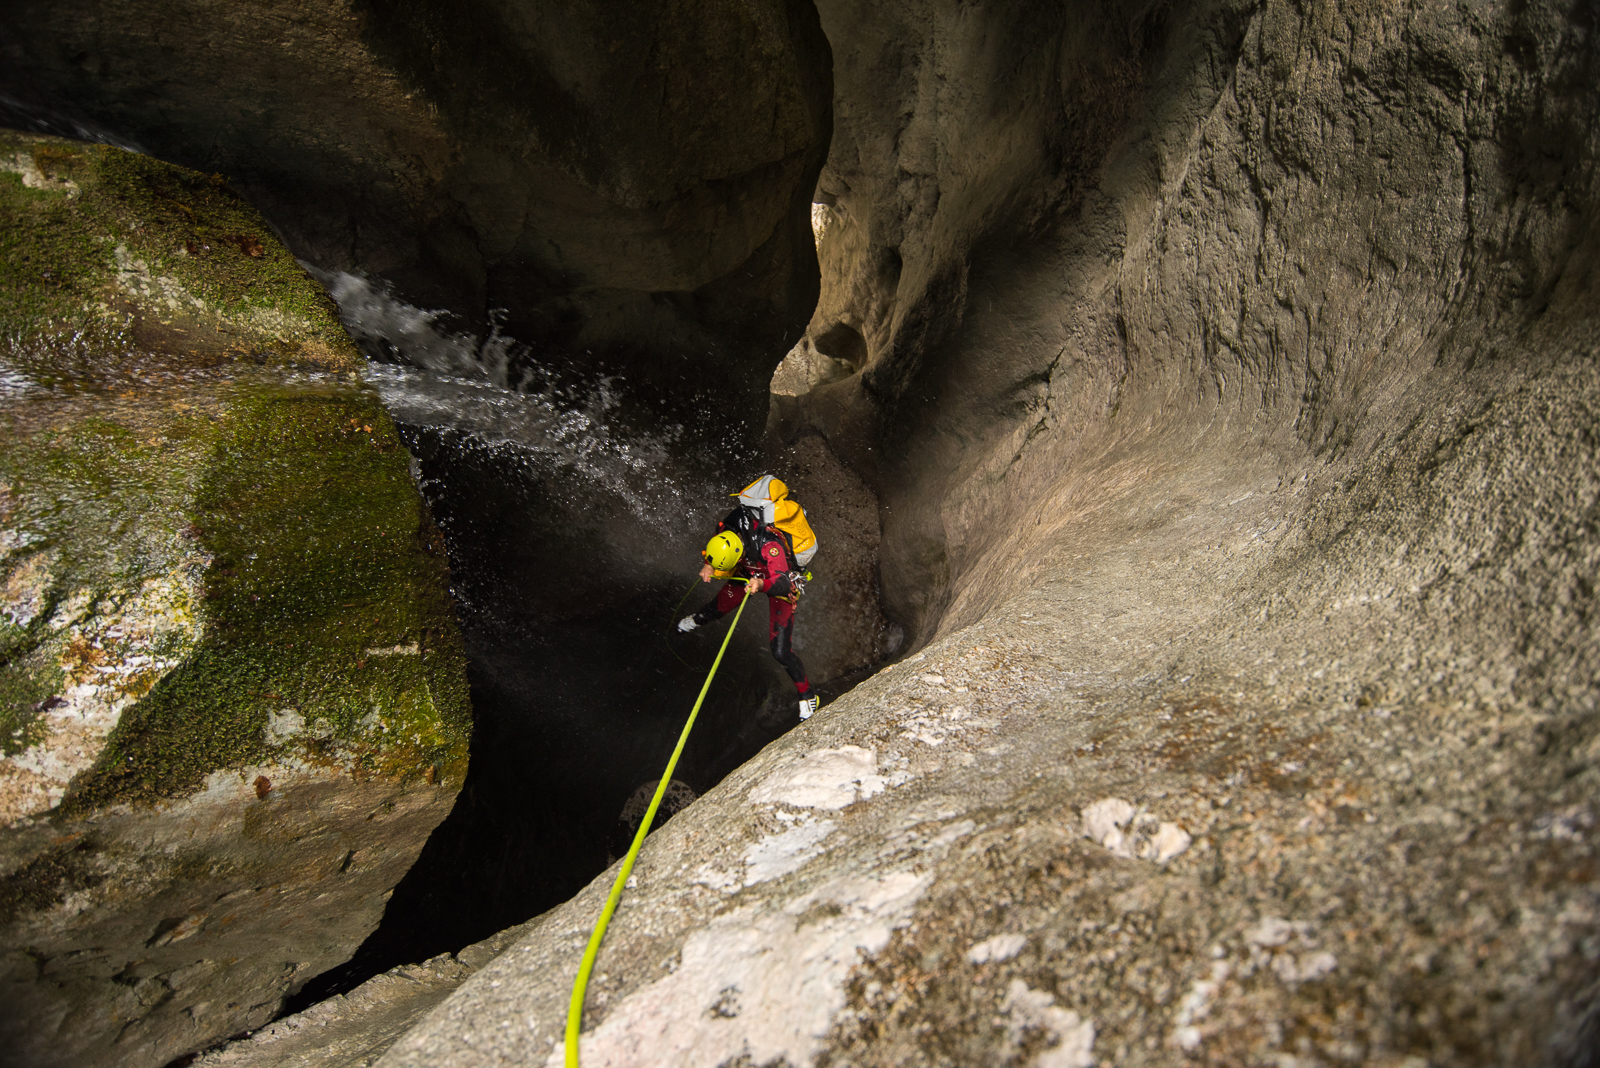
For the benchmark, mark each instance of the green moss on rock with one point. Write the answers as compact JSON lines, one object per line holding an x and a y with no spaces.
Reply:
{"x":125,"y":254}
{"x":199,"y":532}
{"x":328,"y":634}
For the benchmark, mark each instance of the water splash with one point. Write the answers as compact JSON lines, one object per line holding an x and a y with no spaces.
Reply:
{"x":392,"y":331}
{"x":36,"y":118}
{"x":491,"y":395}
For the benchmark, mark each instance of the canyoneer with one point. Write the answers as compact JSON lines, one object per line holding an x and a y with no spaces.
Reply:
{"x":762,"y":545}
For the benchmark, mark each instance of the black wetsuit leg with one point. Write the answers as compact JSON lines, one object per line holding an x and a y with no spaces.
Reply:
{"x":780,"y":629}
{"x":727,"y":599}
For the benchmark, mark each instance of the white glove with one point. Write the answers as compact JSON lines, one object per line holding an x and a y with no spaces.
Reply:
{"x":686,"y":624}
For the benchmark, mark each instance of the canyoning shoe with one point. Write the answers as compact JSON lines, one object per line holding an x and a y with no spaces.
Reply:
{"x":687,"y":623}
{"x":808,"y":705}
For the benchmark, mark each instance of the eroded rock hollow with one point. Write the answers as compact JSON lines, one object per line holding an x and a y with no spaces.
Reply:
{"x":1219,"y":384}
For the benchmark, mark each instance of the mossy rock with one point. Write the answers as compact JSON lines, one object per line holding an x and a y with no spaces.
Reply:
{"x":210,"y":543}
{"x":108,"y":256}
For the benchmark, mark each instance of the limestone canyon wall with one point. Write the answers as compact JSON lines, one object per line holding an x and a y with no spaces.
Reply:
{"x":1227,"y":378}
{"x":232,"y":689}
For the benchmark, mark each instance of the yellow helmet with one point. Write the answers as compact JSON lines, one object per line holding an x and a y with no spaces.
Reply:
{"x":723,"y":551}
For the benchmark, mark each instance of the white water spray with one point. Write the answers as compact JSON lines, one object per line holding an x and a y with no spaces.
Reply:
{"x":490,"y":393}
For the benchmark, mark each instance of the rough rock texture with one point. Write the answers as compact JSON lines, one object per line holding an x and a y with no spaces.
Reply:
{"x":353,"y":1030}
{"x":1051,"y":230}
{"x":231,"y":686}
{"x":841,"y":630}
{"x":631,"y":183}
{"x":1117,"y":820}
{"x":1230,"y":383}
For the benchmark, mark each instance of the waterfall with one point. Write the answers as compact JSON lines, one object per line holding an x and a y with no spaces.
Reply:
{"x":493,"y":391}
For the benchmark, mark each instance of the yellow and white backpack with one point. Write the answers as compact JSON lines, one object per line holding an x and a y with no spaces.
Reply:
{"x":770,"y":497}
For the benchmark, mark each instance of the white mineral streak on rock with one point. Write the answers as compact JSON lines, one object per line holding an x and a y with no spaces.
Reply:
{"x":1026,"y":1009}
{"x":934,"y":727}
{"x":1000,"y":947}
{"x":1196,"y":1006}
{"x":758,"y":983}
{"x":1127,"y":832}
{"x":22,"y":163}
{"x":951,"y":834}
{"x":133,"y":275}
{"x":780,"y":854}
{"x":408,"y":649}
{"x":1169,"y":841}
{"x":1104,"y":820}
{"x":826,"y":778}
{"x":1292,"y":968}
{"x":108,"y":661}
{"x":1269,"y":941}
{"x":1272,"y":931}
{"x":716,"y":878}
{"x":284,"y":724}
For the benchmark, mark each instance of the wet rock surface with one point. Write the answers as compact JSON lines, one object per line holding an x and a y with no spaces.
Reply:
{"x":231,"y":684}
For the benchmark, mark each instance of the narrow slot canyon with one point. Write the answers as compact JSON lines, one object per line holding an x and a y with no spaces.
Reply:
{"x":1195,"y":407}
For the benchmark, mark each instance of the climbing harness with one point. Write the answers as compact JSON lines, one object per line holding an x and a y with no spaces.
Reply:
{"x":581,"y":984}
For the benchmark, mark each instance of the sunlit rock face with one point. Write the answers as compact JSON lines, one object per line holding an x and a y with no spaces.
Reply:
{"x":1086,"y":222}
{"x":232,"y":692}
{"x":631,"y":183}
{"x":1227,"y":378}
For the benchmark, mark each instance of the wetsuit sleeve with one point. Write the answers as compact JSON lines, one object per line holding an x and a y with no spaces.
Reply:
{"x":774,"y":570}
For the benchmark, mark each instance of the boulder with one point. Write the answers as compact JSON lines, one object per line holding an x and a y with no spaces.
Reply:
{"x":232,"y":690}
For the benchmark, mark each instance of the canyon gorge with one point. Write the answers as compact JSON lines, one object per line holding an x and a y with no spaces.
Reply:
{"x":1198,"y":407}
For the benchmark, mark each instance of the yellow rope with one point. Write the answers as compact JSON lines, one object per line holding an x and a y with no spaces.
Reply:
{"x":575,"y":1008}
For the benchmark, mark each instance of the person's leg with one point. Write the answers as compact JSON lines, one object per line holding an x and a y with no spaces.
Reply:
{"x":727,"y":600}
{"x":780,"y":622}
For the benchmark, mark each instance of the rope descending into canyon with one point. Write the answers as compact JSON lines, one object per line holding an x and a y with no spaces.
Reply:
{"x":580,"y":985}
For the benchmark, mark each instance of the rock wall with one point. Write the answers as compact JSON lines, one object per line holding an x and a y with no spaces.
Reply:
{"x":1244,"y":214}
{"x":232,"y":690}
{"x":1226,"y":375}
{"x":1226,"y":378}
{"x":630,"y":185}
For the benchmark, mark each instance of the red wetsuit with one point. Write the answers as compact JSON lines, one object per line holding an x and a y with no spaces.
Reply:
{"x":768,"y":571}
